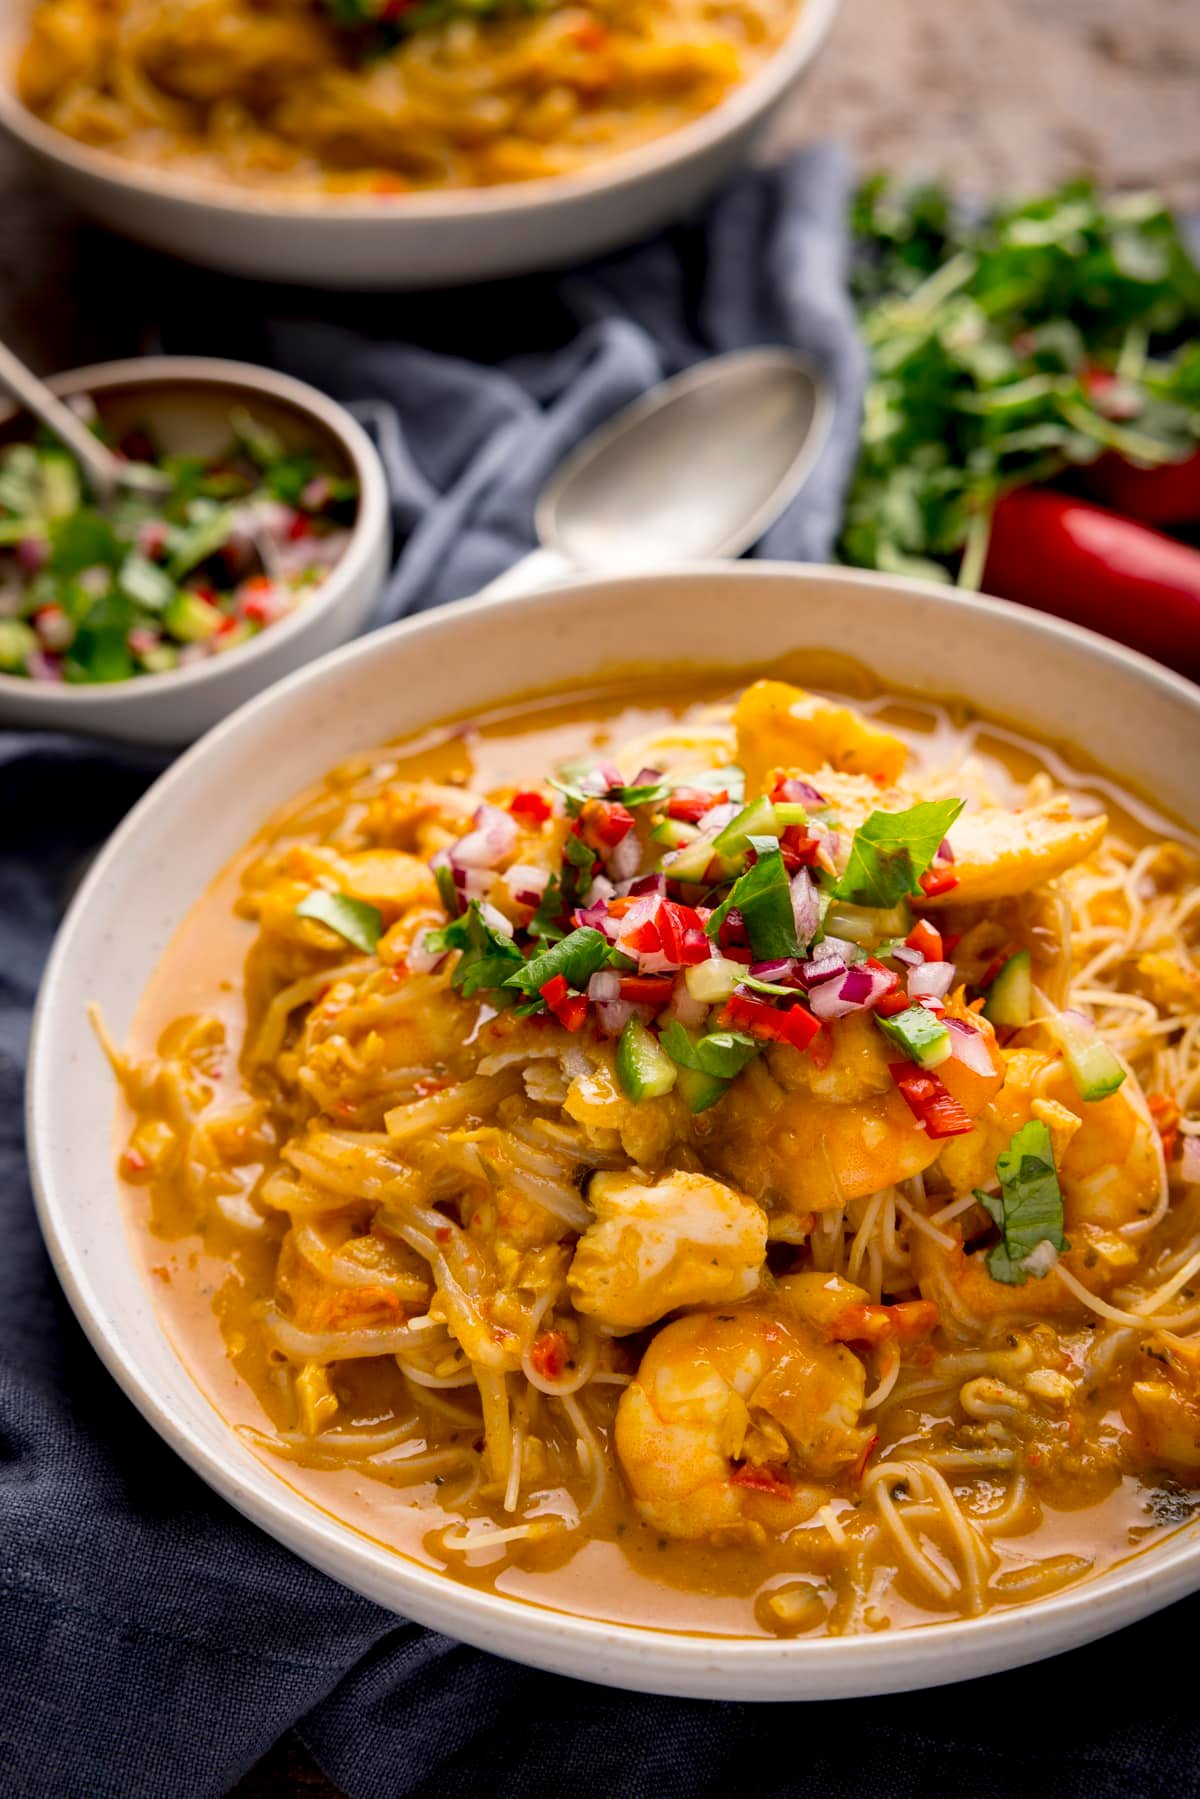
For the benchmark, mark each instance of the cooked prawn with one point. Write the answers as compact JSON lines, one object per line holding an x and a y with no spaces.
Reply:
{"x":740,"y":1422}
{"x":779,"y":726}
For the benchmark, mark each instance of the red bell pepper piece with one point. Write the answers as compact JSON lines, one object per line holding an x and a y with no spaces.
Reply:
{"x":647,"y":989}
{"x":1095,"y":568}
{"x":929,"y":1102}
{"x":689,"y":804}
{"x":937,"y":880}
{"x":529,"y":807}
{"x":569,"y":1008}
{"x":603,"y":823}
{"x":925,"y":938}
{"x":891,"y":1003}
{"x":793,"y":1025}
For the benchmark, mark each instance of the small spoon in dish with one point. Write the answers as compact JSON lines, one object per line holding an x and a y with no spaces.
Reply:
{"x":106,"y":473}
{"x":695,"y":469}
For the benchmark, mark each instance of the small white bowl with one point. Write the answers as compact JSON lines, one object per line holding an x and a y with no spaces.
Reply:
{"x":186,"y":401}
{"x":1141,"y":722}
{"x":423,"y":239}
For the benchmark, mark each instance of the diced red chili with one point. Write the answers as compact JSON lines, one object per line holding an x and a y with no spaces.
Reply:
{"x":646,"y":989}
{"x":929,"y":1101}
{"x":695,"y":948}
{"x":569,"y":1008}
{"x":891,"y":1003}
{"x":603,"y":823}
{"x":689,"y":804}
{"x":761,"y":1480}
{"x":925,"y":938}
{"x":796,"y":841}
{"x":549,"y":1355}
{"x":530,"y":807}
{"x":937,"y":880}
{"x":1166,"y":1115}
{"x":990,"y":972}
{"x":907,"y":1322}
{"x":643,"y":937}
{"x":133,"y":1161}
{"x":793,"y":1025}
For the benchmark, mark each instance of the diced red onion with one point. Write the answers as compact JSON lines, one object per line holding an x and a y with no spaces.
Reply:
{"x":717,"y":817}
{"x":1189,"y":1159}
{"x":33,"y":553}
{"x":690,"y":1012}
{"x":817,"y":972}
{"x":496,"y":919}
{"x":945,"y":853}
{"x":643,"y":909}
{"x":494,"y":836}
{"x":806,"y":907}
{"x":645,"y":777}
{"x":601,"y":890}
{"x":604,"y":986}
{"x":625,"y":858}
{"x":42,"y":667}
{"x":857,"y":988}
{"x":526,"y":883}
{"x":614,"y":1015}
{"x":655,"y":883}
{"x":912,"y":958}
{"x":801,"y":793}
{"x":596,"y":917}
{"x":421,"y":960}
{"x":969,"y":1046}
{"x":932,"y":979}
{"x":782,"y":969}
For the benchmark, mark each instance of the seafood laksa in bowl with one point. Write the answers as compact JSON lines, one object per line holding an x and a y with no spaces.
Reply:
{"x":375,"y":97}
{"x":726,"y":1164}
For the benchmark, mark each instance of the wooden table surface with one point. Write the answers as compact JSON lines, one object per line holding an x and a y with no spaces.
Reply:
{"x":994,"y":94}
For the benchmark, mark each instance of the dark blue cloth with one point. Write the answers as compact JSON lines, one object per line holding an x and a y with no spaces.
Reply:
{"x":152,"y":1644}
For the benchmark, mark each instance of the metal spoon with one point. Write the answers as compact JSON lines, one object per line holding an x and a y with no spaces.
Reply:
{"x":106,"y":474}
{"x":696,"y":468}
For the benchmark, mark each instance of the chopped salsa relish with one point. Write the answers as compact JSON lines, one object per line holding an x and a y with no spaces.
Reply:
{"x":150,"y":585}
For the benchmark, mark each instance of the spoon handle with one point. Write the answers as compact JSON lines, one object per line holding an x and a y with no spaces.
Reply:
{"x":102,"y":468}
{"x":541,"y":568}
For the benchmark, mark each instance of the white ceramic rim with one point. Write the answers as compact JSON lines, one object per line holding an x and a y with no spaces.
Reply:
{"x":370,"y":523}
{"x":741,"y":107}
{"x":648,"y":1658}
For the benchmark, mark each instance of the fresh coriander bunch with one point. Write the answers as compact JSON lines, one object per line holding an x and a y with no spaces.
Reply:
{"x":1006,"y":348}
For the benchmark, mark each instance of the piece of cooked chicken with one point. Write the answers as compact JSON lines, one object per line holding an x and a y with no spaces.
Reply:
{"x":681,"y":1240}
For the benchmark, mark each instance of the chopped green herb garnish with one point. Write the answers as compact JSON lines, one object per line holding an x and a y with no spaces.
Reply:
{"x":763,"y":896}
{"x":1029,"y":1207}
{"x":356,"y":921}
{"x":577,"y":958}
{"x":891,"y":851}
{"x":488,"y":955}
{"x":722,"y":1054}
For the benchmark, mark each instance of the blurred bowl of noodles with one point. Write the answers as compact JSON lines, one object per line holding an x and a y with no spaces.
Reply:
{"x":285,"y":144}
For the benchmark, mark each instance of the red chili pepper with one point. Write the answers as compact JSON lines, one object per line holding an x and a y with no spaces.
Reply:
{"x":761,"y":1480}
{"x":929,"y":1102}
{"x":1096,"y":568}
{"x":937,"y":880}
{"x":133,"y":1161}
{"x":569,"y":1008}
{"x":530,"y":807}
{"x":891,"y":1003}
{"x":689,"y":804}
{"x":549,"y":1355}
{"x":603,"y":823}
{"x":1168,"y":495}
{"x":299,"y":528}
{"x":925,"y":938}
{"x":793,"y":1025}
{"x":646,"y":989}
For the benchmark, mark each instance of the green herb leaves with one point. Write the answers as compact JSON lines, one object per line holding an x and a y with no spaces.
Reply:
{"x":488,"y":957}
{"x":577,"y":958}
{"x":356,"y":921}
{"x":763,"y":896}
{"x":1029,"y":1209}
{"x":892,"y":850}
{"x":722,"y":1054}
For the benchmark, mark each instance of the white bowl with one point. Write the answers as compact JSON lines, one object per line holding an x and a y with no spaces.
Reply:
{"x":417,"y":240}
{"x":1042,"y":675}
{"x":187,"y":400}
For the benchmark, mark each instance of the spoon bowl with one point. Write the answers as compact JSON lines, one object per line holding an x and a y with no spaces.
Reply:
{"x":693,"y":471}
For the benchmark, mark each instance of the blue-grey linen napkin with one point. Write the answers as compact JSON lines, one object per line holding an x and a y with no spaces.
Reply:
{"x":153,"y":1645}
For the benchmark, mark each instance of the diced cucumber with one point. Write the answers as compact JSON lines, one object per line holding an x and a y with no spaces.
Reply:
{"x":789,"y":812}
{"x":1010,"y":996}
{"x":644,"y":1069}
{"x":713,"y":981}
{"x":61,"y":492}
{"x":755,"y":820}
{"x":867,"y":924}
{"x":190,"y":619}
{"x":1093,"y":1067}
{"x":920,"y":1034}
{"x":690,"y":864}
{"x":699,"y":1091}
{"x":675,"y":833}
{"x":18,"y":640}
